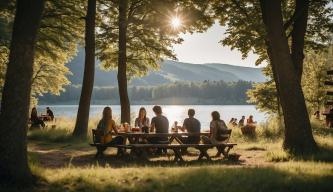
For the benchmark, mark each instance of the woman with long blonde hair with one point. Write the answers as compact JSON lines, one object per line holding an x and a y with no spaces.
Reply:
{"x":107,"y":128}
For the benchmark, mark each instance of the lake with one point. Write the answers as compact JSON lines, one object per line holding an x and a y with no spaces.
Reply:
{"x":172,"y":112}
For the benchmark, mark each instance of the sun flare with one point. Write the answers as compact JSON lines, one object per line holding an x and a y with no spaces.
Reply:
{"x":176,"y":22}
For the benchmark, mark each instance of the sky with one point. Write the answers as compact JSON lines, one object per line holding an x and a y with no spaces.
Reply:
{"x":199,"y":48}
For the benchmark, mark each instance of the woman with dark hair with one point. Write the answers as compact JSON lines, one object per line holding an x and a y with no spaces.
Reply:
{"x":217,"y":126}
{"x":105,"y":127}
{"x":35,"y":121}
{"x":142,"y":121}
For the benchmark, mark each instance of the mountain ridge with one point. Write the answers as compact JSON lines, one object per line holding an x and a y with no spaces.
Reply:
{"x":169,"y":72}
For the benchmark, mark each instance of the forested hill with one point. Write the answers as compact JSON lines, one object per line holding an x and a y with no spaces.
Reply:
{"x":170,"y":71}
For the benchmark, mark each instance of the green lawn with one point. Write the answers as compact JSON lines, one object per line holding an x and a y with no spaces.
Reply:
{"x":64,"y":164}
{"x":291,"y":176}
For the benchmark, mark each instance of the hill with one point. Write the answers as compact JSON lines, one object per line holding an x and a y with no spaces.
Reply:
{"x":170,"y":71}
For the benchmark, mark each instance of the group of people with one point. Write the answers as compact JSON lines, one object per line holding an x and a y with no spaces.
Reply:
{"x":37,"y":121}
{"x":241,"y":122}
{"x":160,"y":124}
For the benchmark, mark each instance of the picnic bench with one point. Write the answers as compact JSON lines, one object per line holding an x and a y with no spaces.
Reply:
{"x":46,"y":119}
{"x":140,"y":149}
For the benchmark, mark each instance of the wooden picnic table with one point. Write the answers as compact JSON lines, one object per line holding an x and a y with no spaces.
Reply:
{"x":139,"y":149}
{"x":134,"y":137}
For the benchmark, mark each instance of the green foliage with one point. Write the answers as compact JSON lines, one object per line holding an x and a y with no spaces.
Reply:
{"x":246,"y":32}
{"x":264,"y":95}
{"x":149,"y":34}
{"x":316,"y":64}
{"x":314,"y":76}
{"x":61,"y":29}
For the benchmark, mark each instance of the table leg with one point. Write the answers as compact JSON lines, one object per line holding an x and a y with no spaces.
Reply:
{"x":220,"y":150}
{"x":178,"y":155}
{"x":178,"y":140}
{"x":226,"y":152}
{"x":171,"y":139}
{"x":203,"y":153}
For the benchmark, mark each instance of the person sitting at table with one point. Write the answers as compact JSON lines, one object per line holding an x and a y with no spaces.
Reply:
{"x":35,"y":121}
{"x":49,"y":113}
{"x":142,"y":121}
{"x":159,"y":124}
{"x":217,"y":126}
{"x":105,"y":126}
{"x":191,"y":125}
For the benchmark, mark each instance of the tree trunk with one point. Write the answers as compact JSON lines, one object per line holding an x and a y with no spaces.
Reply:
{"x":122,"y":57}
{"x":16,"y":94}
{"x":81,"y":125}
{"x":275,"y":78}
{"x":298,"y":133}
{"x":298,"y":34}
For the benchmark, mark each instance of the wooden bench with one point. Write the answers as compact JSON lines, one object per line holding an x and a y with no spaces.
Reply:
{"x":140,"y":149}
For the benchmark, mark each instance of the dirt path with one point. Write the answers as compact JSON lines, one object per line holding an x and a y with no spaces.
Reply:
{"x":64,"y":155}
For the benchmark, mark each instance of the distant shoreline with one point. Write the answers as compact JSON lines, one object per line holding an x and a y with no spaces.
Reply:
{"x":137,"y":103}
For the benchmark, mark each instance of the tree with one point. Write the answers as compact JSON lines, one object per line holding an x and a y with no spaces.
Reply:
{"x":313,"y":82}
{"x":81,"y":125}
{"x":264,"y":96}
{"x":245,"y":32}
{"x":16,"y":93}
{"x":298,"y":134}
{"x":149,"y":36}
{"x":122,"y":62}
{"x":316,"y":63}
{"x":57,"y":39}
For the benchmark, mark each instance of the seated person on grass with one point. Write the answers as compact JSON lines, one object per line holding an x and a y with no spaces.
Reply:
{"x":106,"y":125}
{"x":250,"y":127}
{"x":250,"y":122}
{"x":159,"y":124}
{"x":49,"y":113}
{"x":35,"y":121}
{"x":241,"y":122}
{"x":191,"y":125}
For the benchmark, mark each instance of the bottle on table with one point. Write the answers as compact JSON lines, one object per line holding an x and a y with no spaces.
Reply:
{"x":176,"y":127}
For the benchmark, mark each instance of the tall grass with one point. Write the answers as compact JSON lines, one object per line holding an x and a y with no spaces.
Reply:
{"x":272,"y":130}
{"x":290,"y":176}
{"x":61,"y":131}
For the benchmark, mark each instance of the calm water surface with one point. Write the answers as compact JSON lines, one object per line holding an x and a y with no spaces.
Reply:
{"x":172,"y":112}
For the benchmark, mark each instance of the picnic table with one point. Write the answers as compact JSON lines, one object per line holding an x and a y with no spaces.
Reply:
{"x":134,"y":137}
{"x":140,"y":149}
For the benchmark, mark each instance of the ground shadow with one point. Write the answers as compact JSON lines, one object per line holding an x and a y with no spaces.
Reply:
{"x":203,"y":179}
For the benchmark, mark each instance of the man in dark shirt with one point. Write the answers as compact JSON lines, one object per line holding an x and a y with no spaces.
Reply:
{"x":192,"y":125}
{"x":159,"y":124}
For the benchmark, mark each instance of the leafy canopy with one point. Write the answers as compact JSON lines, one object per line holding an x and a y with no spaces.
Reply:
{"x":149,"y":34}
{"x":61,"y":29}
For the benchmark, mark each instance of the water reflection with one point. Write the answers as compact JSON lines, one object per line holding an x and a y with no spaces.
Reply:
{"x":172,"y":112}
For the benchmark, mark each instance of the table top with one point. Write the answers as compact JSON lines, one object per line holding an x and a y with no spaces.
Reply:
{"x":162,"y":134}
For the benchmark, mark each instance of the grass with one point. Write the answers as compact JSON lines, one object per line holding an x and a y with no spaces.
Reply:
{"x":293,"y":176}
{"x":266,"y":168}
